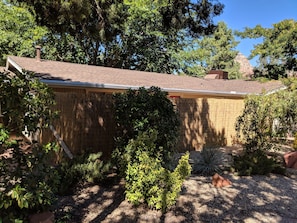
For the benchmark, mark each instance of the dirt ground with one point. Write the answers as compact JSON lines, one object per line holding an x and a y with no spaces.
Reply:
{"x":270,"y":199}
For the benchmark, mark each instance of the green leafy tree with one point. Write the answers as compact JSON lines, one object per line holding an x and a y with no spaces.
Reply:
{"x":142,"y":35}
{"x":155,"y":31}
{"x":18,"y":33}
{"x":277,"y":53}
{"x":62,"y":47}
{"x":92,"y":24}
{"x":195,"y":17}
{"x":215,"y":51}
{"x":144,"y":44}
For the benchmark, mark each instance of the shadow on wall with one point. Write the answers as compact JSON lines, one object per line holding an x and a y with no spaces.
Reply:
{"x":85,"y":122}
{"x":198,"y":129}
{"x":98,"y":123}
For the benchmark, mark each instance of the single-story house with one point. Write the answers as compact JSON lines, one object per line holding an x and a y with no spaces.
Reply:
{"x":208,"y":107}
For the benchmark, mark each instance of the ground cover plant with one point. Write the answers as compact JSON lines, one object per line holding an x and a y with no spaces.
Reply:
{"x":87,"y":168}
{"x":257,"y":162}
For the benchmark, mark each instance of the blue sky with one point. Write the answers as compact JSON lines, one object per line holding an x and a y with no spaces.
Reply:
{"x":239,"y":14}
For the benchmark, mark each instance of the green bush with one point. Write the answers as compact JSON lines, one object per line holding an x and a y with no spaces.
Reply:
{"x":266,"y":119}
{"x":209,"y":163}
{"x":92,"y":169}
{"x":265,"y":122}
{"x":148,"y":182}
{"x":256,"y":163}
{"x":29,"y":183}
{"x":86,"y":168}
{"x":147,"y":132}
{"x":26,"y":102}
{"x":145,"y":141}
{"x":26,"y":181}
{"x":145,"y":110}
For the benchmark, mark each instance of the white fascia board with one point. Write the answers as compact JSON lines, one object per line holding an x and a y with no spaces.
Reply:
{"x":276,"y":90}
{"x":214,"y":93}
{"x":59,"y":83}
{"x":14,"y":64}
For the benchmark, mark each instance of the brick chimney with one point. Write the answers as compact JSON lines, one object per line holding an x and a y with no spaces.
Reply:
{"x":38,"y":53}
{"x":217,"y":74}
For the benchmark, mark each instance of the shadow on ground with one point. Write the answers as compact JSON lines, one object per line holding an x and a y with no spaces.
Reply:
{"x":270,"y":199}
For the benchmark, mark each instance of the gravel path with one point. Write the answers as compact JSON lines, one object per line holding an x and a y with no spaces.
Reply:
{"x":270,"y":199}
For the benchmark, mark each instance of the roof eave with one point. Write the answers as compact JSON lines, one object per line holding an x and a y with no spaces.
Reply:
{"x":13,"y":64}
{"x":276,"y":90}
{"x":58,"y":83}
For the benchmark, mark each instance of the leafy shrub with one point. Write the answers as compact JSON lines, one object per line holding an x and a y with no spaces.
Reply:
{"x":92,"y":169}
{"x":257,"y":162}
{"x":209,"y":162}
{"x":147,"y":131}
{"x":145,"y":141}
{"x":87,"y":168}
{"x":183,"y":169}
{"x":26,"y":102}
{"x":145,"y":110}
{"x":267,"y":118}
{"x":255,"y":124}
{"x":265,"y":121}
{"x":26,"y":180}
{"x":148,"y":182}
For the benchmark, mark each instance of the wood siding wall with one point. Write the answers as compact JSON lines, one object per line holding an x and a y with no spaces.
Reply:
{"x":207,"y":122}
{"x":86,"y":121}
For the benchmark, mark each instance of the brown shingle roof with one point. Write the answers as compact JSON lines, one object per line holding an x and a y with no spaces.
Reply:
{"x":98,"y":76}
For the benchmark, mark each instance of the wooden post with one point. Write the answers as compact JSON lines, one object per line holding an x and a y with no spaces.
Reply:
{"x":61,"y":142}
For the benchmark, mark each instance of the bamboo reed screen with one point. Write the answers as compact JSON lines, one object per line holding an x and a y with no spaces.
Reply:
{"x":86,"y":121}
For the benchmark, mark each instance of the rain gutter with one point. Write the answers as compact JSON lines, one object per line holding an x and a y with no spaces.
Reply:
{"x":59,"y":83}
{"x":276,"y":90}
